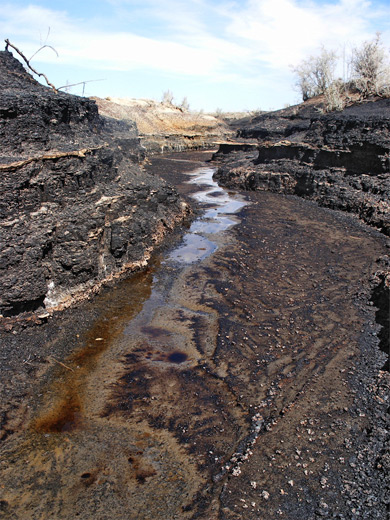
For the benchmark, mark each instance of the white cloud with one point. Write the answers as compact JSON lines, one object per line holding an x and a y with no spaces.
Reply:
{"x":277,"y":33}
{"x":283,"y":32}
{"x":78,"y":43}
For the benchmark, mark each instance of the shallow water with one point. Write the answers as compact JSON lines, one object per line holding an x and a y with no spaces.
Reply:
{"x":134,"y":312}
{"x":218,"y":216}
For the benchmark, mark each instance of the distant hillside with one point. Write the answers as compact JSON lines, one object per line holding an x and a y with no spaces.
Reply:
{"x":164,"y":127}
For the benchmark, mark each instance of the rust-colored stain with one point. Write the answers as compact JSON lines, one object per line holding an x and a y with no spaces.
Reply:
{"x":65,"y":414}
{"x":141,"y":468}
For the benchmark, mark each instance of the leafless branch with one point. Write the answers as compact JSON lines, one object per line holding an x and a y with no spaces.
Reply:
{"x":80,"y":83}
{"x":62,"y":364}
{"x":43,"y":47}
{"x":47,"y":36}
{"x":9,"y":44}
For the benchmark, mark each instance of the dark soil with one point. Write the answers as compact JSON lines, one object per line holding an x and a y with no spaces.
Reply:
{"x":246,"y":386}
{"x":339,"y":159}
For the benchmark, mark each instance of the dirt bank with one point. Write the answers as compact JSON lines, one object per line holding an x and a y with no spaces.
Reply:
{"x":76,"y":209}
{"x":340,"y":159}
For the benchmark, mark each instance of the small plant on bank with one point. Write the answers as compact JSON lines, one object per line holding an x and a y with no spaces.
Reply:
{"x":315,"y":74}
{"x":335,"y":96}
{"x":370,"y":75}
{"x":371,"y":68}
{"x":167,"y":97}
{"x":184,"y":105}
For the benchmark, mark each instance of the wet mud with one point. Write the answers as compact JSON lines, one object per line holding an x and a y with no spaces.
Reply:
{"x":221,"y":383}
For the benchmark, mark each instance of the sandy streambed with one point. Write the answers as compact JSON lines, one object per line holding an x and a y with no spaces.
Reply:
{"x":236,"y":378}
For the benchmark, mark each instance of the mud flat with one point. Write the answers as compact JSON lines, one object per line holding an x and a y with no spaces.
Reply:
{"x":247,"y":384}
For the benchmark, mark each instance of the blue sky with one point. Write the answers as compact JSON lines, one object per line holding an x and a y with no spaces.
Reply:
{"x":227,"y":54}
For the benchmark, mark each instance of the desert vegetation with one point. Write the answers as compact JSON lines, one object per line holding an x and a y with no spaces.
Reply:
{"x":366,"y":74}
{"x":168,"y":99}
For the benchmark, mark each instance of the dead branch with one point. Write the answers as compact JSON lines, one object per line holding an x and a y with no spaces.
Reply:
{"x":9,"y":44}
{"x":47,"y":157}
{"x":62,"y":364}
{"x":43,"y":47}
{"x":80,"y":83}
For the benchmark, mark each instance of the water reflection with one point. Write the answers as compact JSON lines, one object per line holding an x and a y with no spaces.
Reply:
{"x":197,"y":243}
{"x":62,"y":405}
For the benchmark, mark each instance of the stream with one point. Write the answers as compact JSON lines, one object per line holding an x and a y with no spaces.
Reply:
{"x":216,"y":384}
{"x":219,"y":206}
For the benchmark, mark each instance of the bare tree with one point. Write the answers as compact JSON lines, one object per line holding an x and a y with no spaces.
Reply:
{"x":27,"y":61}
{"x":167,"y":97}
{"x":370,"y":74}
{"x":184,"y":105}
{"x":315,"y":74}
{"x":370,"y":67}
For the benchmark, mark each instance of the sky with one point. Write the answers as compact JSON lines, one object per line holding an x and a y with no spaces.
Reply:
{"x":219,"y":54}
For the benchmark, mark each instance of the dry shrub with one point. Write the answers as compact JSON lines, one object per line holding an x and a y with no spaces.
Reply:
{"x":370,"y":68}
{"x":335,"y":96}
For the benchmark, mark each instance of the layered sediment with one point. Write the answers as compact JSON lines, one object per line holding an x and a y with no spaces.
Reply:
{"x":76,"y":209}
{"x":340,"y":160}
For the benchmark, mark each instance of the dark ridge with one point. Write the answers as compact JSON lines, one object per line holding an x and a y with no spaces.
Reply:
{"x":28,"y":306}
{"x":76,"y":208}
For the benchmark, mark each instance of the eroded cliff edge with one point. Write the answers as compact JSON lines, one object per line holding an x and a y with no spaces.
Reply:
{"x":340,"y":160}
{"x":76,"y":209}
{"x":164,"y":127}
